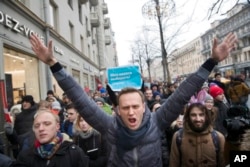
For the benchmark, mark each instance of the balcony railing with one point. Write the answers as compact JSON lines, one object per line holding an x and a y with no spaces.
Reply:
{"x":93,"y":2}
{"x":107,"y":40}
{"x":104,"y":8}
{"x":94,"y":19}
{"x":106,"y":23}
{"x":83,"y":1}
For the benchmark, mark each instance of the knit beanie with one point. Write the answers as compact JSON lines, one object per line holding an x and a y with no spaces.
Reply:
{"x":103,"y":90}
{"x":208,"y":97}
{"x":215,"y":91}
{"x":205,"y":85}
{"x":56,"y":105}
{"x":99,"y":99}
{"x":156,"y":94}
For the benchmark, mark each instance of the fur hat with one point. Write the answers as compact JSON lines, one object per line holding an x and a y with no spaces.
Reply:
{"x":16,"y":109}
{"x":28,"y":98}
{"x":50,"y":92}
{"x":154,"y":85}
{"x":215,"y":91}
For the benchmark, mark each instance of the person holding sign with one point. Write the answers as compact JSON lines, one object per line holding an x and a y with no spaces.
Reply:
{"x":134,"y":134}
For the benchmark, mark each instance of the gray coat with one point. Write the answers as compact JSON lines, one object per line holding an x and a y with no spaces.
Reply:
{"x":148,"y":151}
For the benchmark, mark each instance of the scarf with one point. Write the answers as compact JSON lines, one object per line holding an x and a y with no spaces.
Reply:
{"x":46,"y":151}
{"x":87,"y":134}
{"x":128,"y":139}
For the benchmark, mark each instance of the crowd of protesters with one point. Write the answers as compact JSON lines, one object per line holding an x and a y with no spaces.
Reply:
{"x":160,"y":125}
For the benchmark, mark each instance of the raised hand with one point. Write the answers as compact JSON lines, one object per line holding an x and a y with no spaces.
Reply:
{"x":222,"y":50}
{"x":45,"y":54}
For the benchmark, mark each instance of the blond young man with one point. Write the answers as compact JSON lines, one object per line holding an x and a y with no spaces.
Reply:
{"x":51,"y":148}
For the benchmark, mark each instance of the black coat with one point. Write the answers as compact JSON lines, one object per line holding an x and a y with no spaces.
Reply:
{"x":95,"y":147}
{"x":68,"y":155}
{"x":221,"y":116}
{"x":24,"y":121}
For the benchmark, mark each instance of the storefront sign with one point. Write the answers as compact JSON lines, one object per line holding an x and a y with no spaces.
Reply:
{"x":58,"y":50}
{"x":16,"y":26}
{"x":242,"y":65}
{"x":74,"y":61}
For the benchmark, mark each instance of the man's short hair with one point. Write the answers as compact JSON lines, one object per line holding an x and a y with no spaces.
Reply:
{"x":217,"y":74}
{"x":70,"y":106}
{"x":130,"y":90}
{"x":39,"y":112}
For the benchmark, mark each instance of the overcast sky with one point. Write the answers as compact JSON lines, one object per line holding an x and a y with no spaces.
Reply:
{"x":127,"y":21}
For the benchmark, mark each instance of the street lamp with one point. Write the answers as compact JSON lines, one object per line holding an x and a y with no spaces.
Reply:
{"x":159,"y":9}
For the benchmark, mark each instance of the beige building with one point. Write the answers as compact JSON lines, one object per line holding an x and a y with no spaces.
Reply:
{"x":237,"y":21}
{"x":186,"y":60}
{"x":83,"y":42}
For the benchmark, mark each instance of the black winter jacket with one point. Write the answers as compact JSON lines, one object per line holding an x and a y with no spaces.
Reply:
{"x":68,"y":155}
{"x":94,"y":147}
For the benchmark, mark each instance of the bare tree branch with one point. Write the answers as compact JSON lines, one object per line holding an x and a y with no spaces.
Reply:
{"x":216,"y":8}
{"x":212,"y":8}
{"x":237,"y":2}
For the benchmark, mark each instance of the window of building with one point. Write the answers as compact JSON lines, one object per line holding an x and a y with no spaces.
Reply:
{"x":89,"y":53}
{"x":85,"y":80}
{"x":80,"y":12}
{"x":70,"y":3}
{"x":86,"y":26}
{"x":95,"y":58}
{"x":20,"y":80}
{"x":71,"y":30}
{"x":76,"y":75}
{"x":53,"y":10}
{"x":92,"y":82}
{"x":82,"y":44}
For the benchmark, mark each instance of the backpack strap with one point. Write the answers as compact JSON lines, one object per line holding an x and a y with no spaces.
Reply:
{"x":178,"y":142}
{"x":215,"y":139}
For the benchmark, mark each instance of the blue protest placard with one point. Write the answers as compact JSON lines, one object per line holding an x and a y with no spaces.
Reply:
{"x":124,"y":76}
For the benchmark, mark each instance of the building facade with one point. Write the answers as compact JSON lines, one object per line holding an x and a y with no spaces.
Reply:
{"x":186,"y":59}
{"x":238,"y":21}
{"x":83,"y":42}
{"x":189,"y":57}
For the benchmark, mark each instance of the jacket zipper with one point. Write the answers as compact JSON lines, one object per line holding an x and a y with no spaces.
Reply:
{"x":135,"y":156}
{"x":48,"y":162}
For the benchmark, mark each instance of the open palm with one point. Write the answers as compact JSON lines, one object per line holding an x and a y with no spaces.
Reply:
{"x":222,"y":50}
{"x":44,"y":53}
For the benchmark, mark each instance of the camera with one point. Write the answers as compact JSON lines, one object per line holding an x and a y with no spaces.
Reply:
{"x":238,"y":121}
{"x":237,"y":124}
